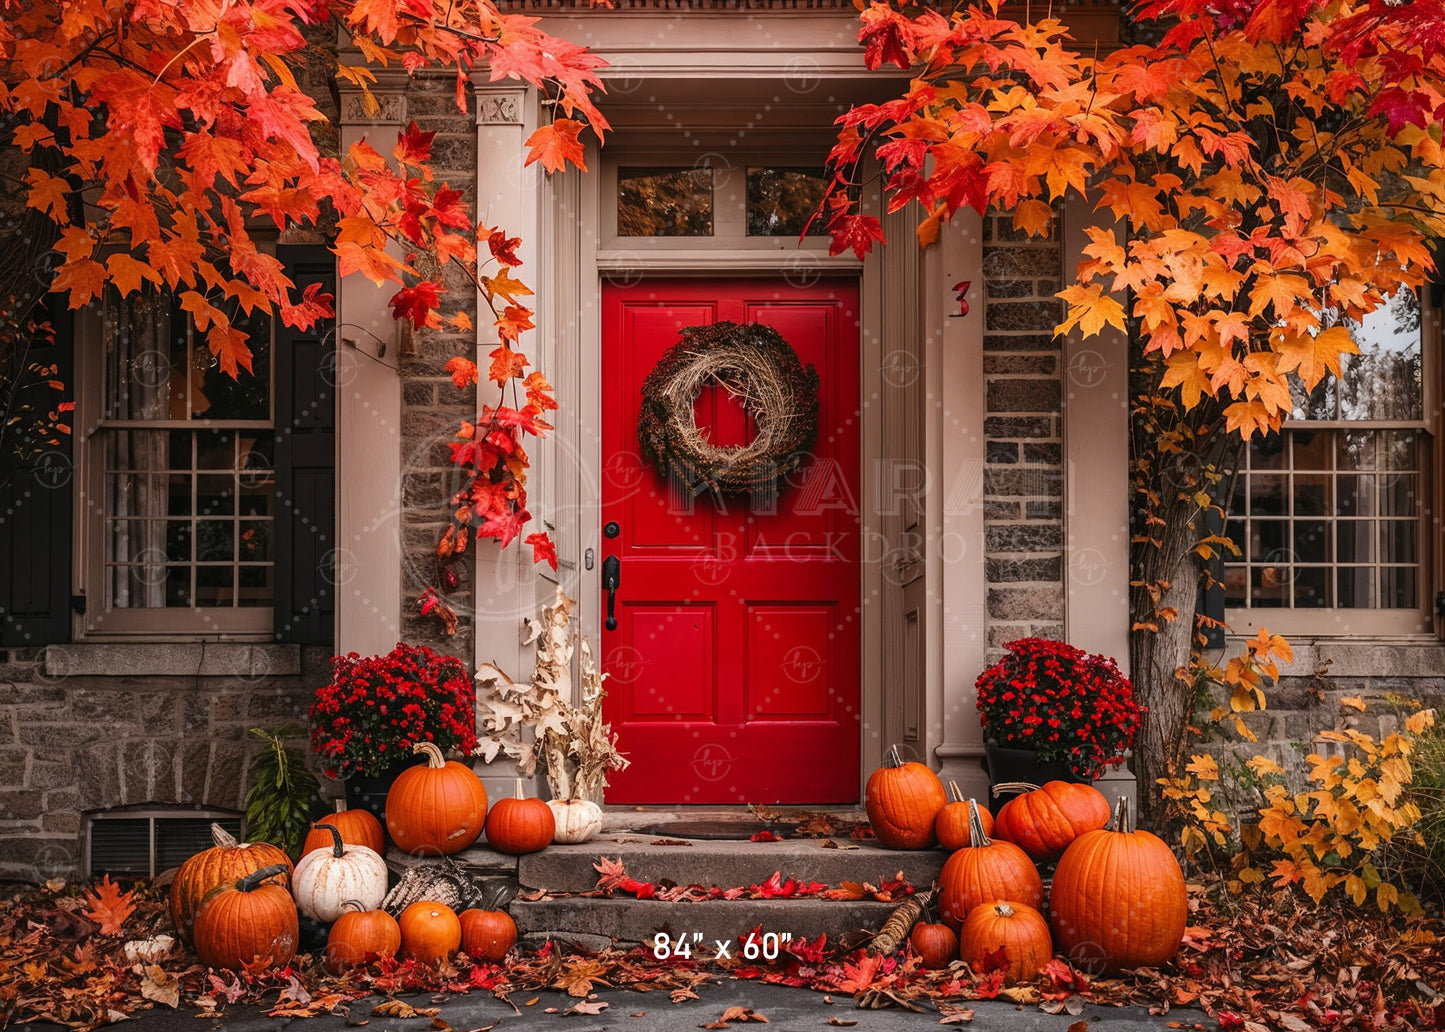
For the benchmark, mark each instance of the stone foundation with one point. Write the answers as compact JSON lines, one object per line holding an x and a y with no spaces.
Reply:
{"x":92,"y":727}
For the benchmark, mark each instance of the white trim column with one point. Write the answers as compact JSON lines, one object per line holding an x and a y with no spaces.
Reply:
{"x":368,"y":429}
{"x":956,"y":346}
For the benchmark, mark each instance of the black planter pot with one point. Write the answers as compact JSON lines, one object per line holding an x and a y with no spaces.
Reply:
{"x":1005,"y":764}
{"x":368,"y":792}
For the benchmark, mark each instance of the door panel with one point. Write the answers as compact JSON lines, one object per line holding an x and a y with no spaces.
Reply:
{"x":735,"y":663}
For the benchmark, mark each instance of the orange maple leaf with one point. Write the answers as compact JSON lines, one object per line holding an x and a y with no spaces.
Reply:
{"x":556,"y":144}
{"x":109,"y":907}
{"x":506,"y":364}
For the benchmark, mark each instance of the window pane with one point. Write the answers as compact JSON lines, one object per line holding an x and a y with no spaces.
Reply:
{"x":145,"y":358}
{"x":1312,"y":494}
{"x":1320,"y":403}
{"x":256,"y":588}
{"x":255,"y":541}
{"x":1355,"y":495}
{"x":1357,"y":588}
{"x":215,"y":586}
{"x":1268,"y":541}
{"x":782,"y":200}
{"x":1268,"y":587}
{"x":1267,"y":452}
{"x":1312,"y":587}
{"x":218,"y":396}
{"x":215,"y":496}
{"x":661,"y":202}
{"x":1397,"y":587}
{"x":1311,"y":541}
{"x":1398,"y":449}
{"x":1355,"y":449}
{"x":215,"y":541}
{"x":1312,"y":450}
{"x":1399,"y":495}
{"x":1355,"y":541}
{"x":1268,"y":495}
{"x":1383,"y":380}
{"x":1397,"y":541}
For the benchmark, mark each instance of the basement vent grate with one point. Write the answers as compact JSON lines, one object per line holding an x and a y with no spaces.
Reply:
{"x":143,"y":843}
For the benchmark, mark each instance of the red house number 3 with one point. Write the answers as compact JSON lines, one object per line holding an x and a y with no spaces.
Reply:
{"x":961,"y":289}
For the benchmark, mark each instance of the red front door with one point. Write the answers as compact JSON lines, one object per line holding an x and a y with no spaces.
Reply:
{"x":735,"y":661}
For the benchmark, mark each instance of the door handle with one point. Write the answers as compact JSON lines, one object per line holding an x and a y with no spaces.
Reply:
{"x":611,"y":578}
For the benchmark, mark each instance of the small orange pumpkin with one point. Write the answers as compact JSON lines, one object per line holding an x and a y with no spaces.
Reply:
{"x":1043,"y":821}
{"x":248,"y":919}
{"x":487,"y":934}
{"x":357,"y":827}
{"x":226,"y":861}
{"x":1118,"y":898}
{"x":903,"y":800}
{"x":520,"y":825}
{"x":1018,"y":930}
{"x":359,"y":935}
{"x":935,"y":944}
{"x":429,"y":931}
{"x":951,"y":824}
{"x":436,"y":808}
{"x":985,"y":871}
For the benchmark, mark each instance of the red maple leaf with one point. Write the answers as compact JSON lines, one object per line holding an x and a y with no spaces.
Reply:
{"x":542,"y":548}
{"x":886,"y":36}
{"x":413,"y":147}
{"x":859,"y":232}
{"x":503,"y":247}
{"x":556,"y":144}
{"x":313,"y":307}
{"x":463,"y":370}
{"x":506,"y":364}
{"x":419,"y":304}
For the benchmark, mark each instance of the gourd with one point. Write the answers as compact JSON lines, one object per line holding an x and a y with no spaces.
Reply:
{"x":1019,"y":931}
{"x":487,"y":934}
{"x":223,"y":863}
{"x":1118,"y":898}
{"x":358,"y":934}
{"x":950,"y":827}
{"x":903,"y":800}
{"x":935,"y":944}
{"x":577,"y":820}
{"x":357,"y":827}
{"x":326,"y":879}
{"x":520,"y":825}
{"x":1043,"y":821}
{"x":247,"y":919}
{"x":437,"y":808}
{"x":430,"y":931}
{"x":985,"y":871}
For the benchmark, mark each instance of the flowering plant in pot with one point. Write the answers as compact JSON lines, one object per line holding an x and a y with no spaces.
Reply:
{"x":1073,"y":710}
{"x":366,"y":720}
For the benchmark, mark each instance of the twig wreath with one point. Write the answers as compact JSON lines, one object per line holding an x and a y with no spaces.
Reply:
{"x":758,"y":367}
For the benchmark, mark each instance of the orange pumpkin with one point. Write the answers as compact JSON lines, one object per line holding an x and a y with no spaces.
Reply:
{"x":1019,"y":931}
{"x":487,"y":934}
{"x":903,"y":800}
{"x":225,"y":862}
{"x":429,"y":931}
{"x":1118,"y":899}
{"x":357,"y":827}
{"x":436,"y":808}
{"x":360,"y":934}
{"x":935,"y":944}
{"x":247,"y":919}
{"x":520,"y":825}
{"x":1045,"y":820}
{"x":951,"y":825}
{"x":985,"y":871}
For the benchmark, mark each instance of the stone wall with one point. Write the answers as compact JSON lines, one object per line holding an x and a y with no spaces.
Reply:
{"x":432,"y":407}
{"x":1023,"y":458}
{"x":91,"y":727}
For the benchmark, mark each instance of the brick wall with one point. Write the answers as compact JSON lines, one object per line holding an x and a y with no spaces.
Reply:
{"x":432,"y":407}
{"x":1023,"y":446}
{"x":83,"y":728}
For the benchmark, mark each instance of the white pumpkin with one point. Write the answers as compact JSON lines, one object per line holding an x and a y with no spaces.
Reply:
{"x":577,"y":819}
{"x":326,"y":879}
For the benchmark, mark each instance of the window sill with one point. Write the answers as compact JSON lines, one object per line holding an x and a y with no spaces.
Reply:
{"x":173,"y":659}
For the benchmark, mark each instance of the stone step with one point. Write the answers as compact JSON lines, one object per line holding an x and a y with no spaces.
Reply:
{"x":638,"y":920}
{"x":726,"y":864}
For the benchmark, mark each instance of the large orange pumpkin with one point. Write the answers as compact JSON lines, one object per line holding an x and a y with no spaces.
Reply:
{"x":357,"y":827}
{"x":985,"y":871}
{"x":1045,"y":820}
{"x":1118,"y":899}
{"x":429,"y":931}
{"x":248,"y":919}
{"x":951,"y":824}
{"x":360,"y":933}
{"x":487,"y":934}
{"x":520,"y":825}
{"x":903,"y":800}
{"x":1019,"y":932}
{"x":437,"y":808}
{"x":225,"y":862}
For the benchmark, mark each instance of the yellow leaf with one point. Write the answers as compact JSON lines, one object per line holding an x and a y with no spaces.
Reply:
{"x":1419,"y":721}
{"x":127,"y":274}
{"x":1183,"y":371}
{"x":1312,"y":357}
{"x":1263,"y":766}
{"x":1203,"y":767}
{"x":1090,"y":309}
{"x":1033,"y":217}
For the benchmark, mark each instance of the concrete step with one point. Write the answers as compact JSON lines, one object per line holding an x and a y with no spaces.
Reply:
{"x":638,"y":920}
{"x":726,"y":864}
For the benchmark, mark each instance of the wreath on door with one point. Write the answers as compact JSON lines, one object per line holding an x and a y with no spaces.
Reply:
{"x":758,"y":367}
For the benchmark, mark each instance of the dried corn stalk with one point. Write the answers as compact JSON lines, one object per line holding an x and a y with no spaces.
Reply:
{"x":900,"y":923}
{"x":535,"y":722}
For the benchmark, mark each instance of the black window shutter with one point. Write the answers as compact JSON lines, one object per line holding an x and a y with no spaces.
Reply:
{"x":36,"y":504}
{"x":1211,"y":588}
{"x":306,"y":461}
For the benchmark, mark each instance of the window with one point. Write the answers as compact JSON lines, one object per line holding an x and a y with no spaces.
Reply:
{"x":782,"y":201}
{"x":1329,"y":513}
{"x":183,"y":490}
{"x":664,"y":202}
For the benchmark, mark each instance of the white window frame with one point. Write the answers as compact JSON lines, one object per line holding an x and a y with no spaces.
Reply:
{"x":159,"y":623}
{"x":1345,"y":623}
